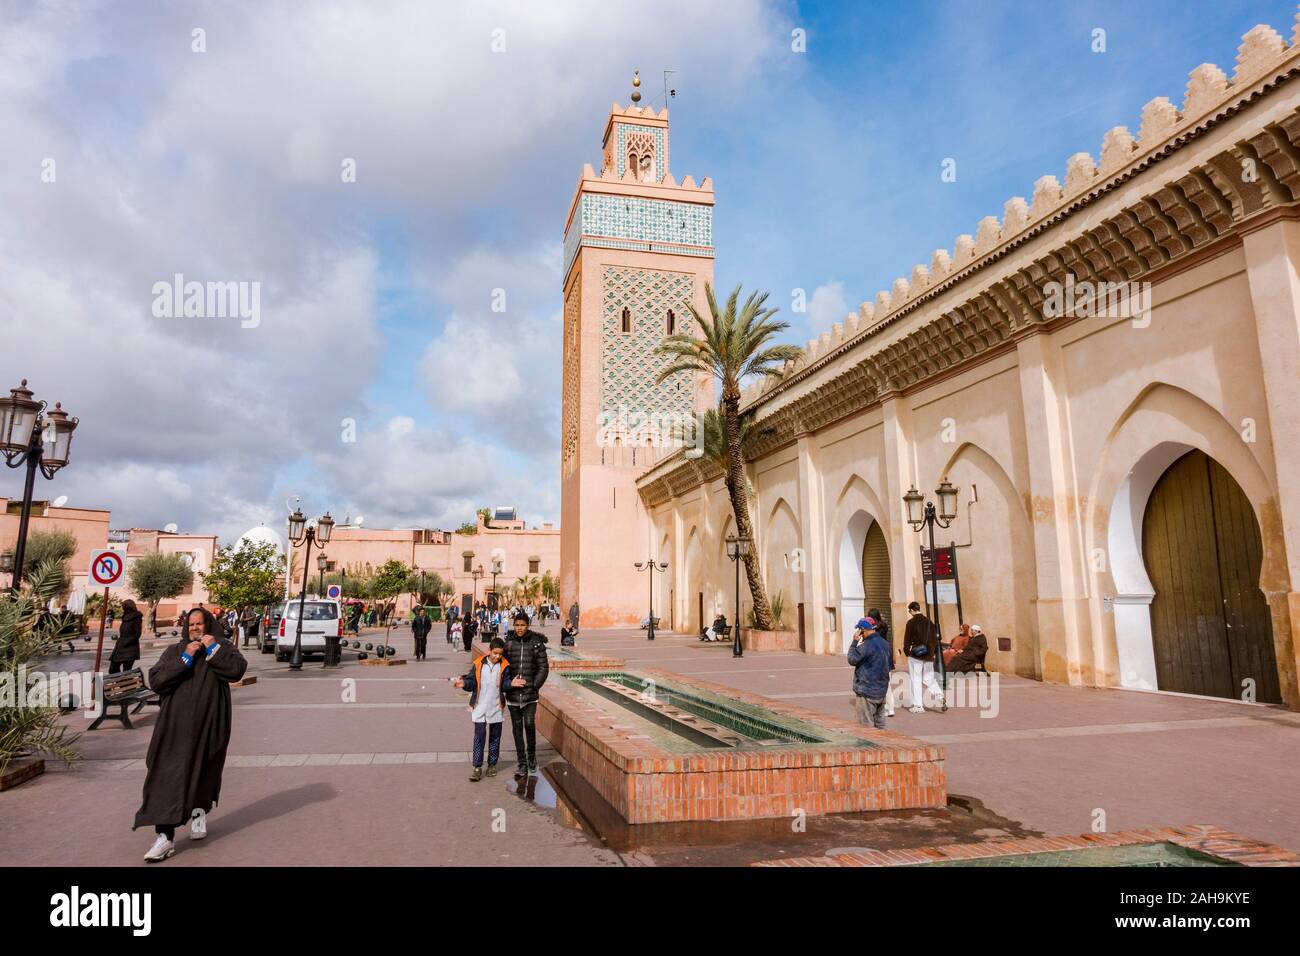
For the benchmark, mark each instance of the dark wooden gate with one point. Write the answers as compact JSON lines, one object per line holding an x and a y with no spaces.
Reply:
{"x":875,"y":574}
{"x":1210,"y":623}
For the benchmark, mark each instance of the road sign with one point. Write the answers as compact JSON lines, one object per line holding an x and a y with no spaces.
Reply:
{"x":106,"y":568}
{"x":333,"y":591}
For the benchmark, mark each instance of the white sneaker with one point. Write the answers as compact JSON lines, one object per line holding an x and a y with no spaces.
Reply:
{"x":198,"y":825}
{"x":917,"y":710}
{"x":162,"y":848}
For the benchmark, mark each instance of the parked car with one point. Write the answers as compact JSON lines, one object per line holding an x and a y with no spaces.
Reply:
{"x":266,"y":634}
{"x":319,"y":618}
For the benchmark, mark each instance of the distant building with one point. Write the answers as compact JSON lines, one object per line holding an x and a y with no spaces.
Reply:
{"x":88,"y":525}
{"x":521,"y":552}
{"x":197,"y":550}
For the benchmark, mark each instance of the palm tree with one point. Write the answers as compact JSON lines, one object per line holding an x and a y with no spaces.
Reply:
{"x":734,"y":347}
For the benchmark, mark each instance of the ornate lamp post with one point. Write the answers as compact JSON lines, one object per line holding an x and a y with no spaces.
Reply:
{"x":496,"y":569}
{"x":737,"y":550}
{"x":477,"y":573}
{"x":922,"y":515}
{"x":321,"y":561}
{"x":652,"y":566}
{"x":300,"y":534}
{"x":38,"y":441}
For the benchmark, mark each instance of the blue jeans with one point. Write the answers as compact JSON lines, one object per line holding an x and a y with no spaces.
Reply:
{"x":491,"y":733}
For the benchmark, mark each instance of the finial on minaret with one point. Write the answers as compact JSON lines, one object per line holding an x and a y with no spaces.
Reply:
{"x":636,"y":86}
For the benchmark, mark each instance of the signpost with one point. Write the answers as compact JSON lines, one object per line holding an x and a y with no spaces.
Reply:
{"x":107,"y":569}
{"x":939,"y":571}
{"x":334,"y":592}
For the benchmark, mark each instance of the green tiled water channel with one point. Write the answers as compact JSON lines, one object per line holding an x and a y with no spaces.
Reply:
{"x":755,"y":723}
{"x":1146,"y":854}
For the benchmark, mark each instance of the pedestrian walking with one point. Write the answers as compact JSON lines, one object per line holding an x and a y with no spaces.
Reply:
{"x":486,"y":683}
{"x":187,"y":752}
{"x":248,"y":627}
{"x":468,"y":631}
{"x":896,"y":677}
{"x":870,"y":658}
{"x":920,"y":647}
{"x":127,"y":650}
{"x":420,"y":627}
{"x":526,"y":652}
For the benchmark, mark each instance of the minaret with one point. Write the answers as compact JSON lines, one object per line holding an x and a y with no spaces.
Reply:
{"x":638,"y":249}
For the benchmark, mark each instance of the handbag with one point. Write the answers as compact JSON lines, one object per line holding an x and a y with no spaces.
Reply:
{"x":920,"y":651}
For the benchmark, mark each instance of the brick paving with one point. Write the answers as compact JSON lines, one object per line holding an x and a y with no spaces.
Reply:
{"x":372,"y":771}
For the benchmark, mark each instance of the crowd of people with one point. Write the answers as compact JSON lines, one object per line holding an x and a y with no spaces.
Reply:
{"x":186,"y":755}
{"x":876,"y":679}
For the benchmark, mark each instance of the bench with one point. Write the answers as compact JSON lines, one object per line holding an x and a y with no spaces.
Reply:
{"x":122,"y":690}
{"x":724,"y":636}
{"x":977,"y":669}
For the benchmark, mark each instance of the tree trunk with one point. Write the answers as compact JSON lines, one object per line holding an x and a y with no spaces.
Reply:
{"x":738,"y":489}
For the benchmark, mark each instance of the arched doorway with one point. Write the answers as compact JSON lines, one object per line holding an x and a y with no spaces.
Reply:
{"x":875,"y":573}
{"x":864,"y":573}
{"x":1210,"y":624}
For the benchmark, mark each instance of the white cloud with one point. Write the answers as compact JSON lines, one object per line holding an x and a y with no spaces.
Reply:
{"x":826,"y":307}
{"x":225,"y":166}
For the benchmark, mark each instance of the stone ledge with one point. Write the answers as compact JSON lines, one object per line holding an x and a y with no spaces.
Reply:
{"x":1215,"y":841}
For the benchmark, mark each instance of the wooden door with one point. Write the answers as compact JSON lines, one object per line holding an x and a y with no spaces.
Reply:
{"x":875,"y":574}
{"x":1210,"y":624}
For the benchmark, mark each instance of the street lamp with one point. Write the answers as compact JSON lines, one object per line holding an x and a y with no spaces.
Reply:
{"x":321,"y":561}
{"x":28,"y":438}
{"x":922,"y":515}
{"x":496,"y":569}
{"x":300,"y":534}
{"x":737,"y":551}
{"x":652,"y":566}
{"x":477,"y":573}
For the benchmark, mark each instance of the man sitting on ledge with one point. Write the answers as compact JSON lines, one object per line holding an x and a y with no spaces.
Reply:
{"x":966,"y":652}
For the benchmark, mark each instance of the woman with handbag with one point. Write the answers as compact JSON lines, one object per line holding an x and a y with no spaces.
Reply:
{"x":920,"y":647}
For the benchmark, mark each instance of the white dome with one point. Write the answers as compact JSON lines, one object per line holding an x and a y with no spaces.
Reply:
{"x":261,"y":535}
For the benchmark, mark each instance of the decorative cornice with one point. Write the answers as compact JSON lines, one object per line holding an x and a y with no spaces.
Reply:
{"x":1172,"y":223}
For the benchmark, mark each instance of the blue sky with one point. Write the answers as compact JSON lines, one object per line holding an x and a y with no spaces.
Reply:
{"x":224,"y":164}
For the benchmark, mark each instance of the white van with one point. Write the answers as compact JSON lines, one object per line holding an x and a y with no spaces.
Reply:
{"x":320,"y":617}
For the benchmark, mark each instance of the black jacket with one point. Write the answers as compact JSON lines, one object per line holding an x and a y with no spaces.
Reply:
{"x":527,"y":657}
{"x":920,"y":631}
{"x":421,"y":626}
{"x":128,"y":639}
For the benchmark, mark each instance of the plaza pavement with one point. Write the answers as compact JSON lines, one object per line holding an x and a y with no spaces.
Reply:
{"x":315,"y":780}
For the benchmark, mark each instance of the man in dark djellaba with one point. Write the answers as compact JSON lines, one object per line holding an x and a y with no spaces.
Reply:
{"x":188,"y":751}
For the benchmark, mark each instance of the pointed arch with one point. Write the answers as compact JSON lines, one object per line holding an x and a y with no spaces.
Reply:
{"x":857,"y":509}
{"x":1161,"y":424}
{"x":995,"y":559}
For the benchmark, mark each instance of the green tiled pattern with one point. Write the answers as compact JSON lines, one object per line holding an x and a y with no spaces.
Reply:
{"x":1147,"y":854}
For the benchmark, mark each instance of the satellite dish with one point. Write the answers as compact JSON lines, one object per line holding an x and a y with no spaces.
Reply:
{"x":171,"y":528}
{"x":360,"y":518}
{"x":60,"y":501}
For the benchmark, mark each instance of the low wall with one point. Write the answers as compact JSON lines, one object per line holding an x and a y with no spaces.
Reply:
{"x":752,"y":640}
{"x":647,"y":783}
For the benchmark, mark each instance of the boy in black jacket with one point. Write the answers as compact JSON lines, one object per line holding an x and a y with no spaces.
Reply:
{"x":526,"y":650}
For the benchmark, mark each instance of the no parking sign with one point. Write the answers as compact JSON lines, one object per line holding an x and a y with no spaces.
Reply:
{"x":106,"y":568}
{"x":333,"y":591}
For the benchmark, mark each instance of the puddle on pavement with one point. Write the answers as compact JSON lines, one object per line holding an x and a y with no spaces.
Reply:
{"x":560,"y":791}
